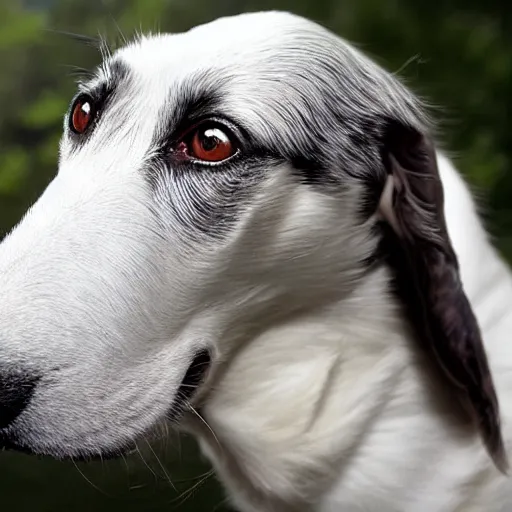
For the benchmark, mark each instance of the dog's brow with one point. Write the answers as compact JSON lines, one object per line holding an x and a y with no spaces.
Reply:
{"x":117,"y":70}
{"x":191,"y":101}
{"x":108,"y":78}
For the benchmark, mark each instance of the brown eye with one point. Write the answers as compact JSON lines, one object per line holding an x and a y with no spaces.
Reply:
{"x":81,"y":115}
{"x":211,"y":143}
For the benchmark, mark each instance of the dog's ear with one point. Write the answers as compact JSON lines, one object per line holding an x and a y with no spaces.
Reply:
{"x":412,"y":204}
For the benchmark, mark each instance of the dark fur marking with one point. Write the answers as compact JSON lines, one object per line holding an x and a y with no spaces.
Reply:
{"x":102,"y":95}
{"x":192,"y":103}
{"x":311,"y":171}
{"x":427,"y":272}
{"x":206,"y":201}
{"x":16,"y":390}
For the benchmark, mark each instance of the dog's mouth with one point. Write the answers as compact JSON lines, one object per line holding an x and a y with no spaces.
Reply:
{"x":194,"y":377}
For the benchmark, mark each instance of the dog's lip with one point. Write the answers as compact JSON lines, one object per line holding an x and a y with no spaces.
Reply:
{"x":195,"y":376}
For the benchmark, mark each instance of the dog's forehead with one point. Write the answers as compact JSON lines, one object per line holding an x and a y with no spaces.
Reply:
{"x":240,"y":41}
{"x":252,"y":63}
{"x":284,"y":79}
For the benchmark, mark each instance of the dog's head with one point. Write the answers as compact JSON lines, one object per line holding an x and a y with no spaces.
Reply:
{"x":210,"y":184}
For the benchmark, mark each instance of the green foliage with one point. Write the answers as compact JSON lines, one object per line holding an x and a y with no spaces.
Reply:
{"x":14,"y":170}
{"x":456,"y":54}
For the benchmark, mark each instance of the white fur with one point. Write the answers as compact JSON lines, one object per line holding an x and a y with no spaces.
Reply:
{"x":317,"y":399}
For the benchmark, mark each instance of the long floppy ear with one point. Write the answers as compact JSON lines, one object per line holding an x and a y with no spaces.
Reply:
{"x":412,"y":204}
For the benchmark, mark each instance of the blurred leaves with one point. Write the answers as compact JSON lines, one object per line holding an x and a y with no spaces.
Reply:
{"x":13,"y":171}
{"x":45,"y":113}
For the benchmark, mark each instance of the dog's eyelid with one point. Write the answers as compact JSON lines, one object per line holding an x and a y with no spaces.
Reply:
{"x":220,"y":120}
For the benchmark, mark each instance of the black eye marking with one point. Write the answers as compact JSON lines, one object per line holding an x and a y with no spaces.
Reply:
{"x":83,"y":113}
{"x":89,"y":104}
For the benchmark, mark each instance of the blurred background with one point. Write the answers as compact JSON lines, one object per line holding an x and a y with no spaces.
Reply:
{"x":457,"y":54}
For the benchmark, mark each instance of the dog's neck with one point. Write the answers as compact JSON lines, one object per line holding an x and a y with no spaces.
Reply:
{"x":295,"y":400}
{"x":337,"y":410}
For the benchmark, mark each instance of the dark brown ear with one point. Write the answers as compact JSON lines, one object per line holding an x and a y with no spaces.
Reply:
{"x":412,"y":204}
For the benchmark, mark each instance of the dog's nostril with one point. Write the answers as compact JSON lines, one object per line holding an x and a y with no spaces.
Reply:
{"x":15,"y":393}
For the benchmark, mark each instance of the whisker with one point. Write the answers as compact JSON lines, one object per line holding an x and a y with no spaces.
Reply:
{"x":104,"y":47}
{"x":415,"y":58}
{"x":145,"y":463}
{"x":194,"y":478}
{"x":161,"y":465}
{"x":81,"y":38}
{"x":79,"y":72}
{"x":193,"y":410}
{"x":112,"y":17}
{"x":185,"y":495}
{"x":89,"y":481}
{"x":221,"y":502}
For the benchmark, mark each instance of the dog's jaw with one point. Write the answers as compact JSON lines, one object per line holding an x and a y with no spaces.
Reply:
{"x":289,"y":406}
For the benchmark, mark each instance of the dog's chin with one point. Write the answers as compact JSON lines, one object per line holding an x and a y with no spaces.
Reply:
{"x":194,"y":377}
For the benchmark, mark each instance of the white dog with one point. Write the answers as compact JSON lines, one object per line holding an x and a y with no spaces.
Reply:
{"x":248,"y":219}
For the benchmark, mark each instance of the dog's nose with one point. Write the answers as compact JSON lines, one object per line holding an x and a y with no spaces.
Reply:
{"x":15,"y":394}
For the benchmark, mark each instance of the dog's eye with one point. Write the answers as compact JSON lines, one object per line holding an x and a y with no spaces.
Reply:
{"x":209,"y":143}
{"x":81,"y":115}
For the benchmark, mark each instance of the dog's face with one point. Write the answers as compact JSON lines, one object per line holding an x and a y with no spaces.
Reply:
{"x":210,"y":183}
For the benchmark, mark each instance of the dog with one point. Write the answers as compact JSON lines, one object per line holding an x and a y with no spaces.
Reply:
{"x":253,"y":234}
